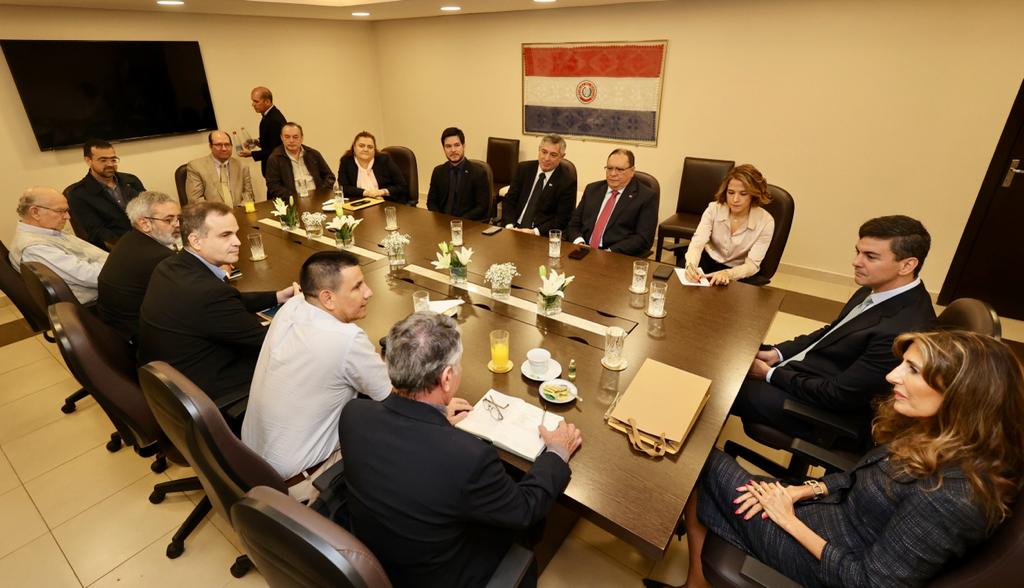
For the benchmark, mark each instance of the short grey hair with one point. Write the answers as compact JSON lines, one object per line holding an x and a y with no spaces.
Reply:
{"x":29,"y":198}
{"x":142,"y":205}
{"x":419,"y":347}
{"x":555,"y":140}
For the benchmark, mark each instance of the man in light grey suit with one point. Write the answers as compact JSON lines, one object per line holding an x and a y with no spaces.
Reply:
{"x":219,"y":177}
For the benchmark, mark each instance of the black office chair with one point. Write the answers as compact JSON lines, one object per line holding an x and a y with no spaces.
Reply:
{"x":179,"y":183}
{"x":14,"y":287}
{"x":701,"y":179}
{"x":781,"y":208}
{"x":493,"y":207}
{"x":503,"y":157}
{"x":405,"y":159}
{"x":653,"y":185}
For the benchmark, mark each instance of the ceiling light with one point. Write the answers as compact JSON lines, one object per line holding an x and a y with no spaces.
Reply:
{"x":360,"y":14}
{"x":170,"y":2}
{"x":451,"y":8}
{"x":543,"y":1}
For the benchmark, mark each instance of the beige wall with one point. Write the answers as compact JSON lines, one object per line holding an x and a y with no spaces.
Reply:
{"x":310,"y":65}
{"x":858,"y":108}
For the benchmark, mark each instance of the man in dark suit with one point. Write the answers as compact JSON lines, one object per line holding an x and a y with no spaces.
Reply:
{"x":155,"y":236}
{"x":842,"y":366}
{"x":293,"y":161}
{"x":459,"y":187}
{"x":271,"y":122}
{"x":98,"y":200}
{"x":194,"y":320}
{"x":543,"y":192}
{"x":619,"y":214}
{"x":434,"y":503}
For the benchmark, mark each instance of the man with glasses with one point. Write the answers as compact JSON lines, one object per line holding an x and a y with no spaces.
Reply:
{"x":432,"y":502}
{"x":155,"y":236}
{"x":219,"y":177}
{"x":543,"y":193}
{"x":43,"y":212}
{"x":619,"y":214}
{"x":98,"y":201}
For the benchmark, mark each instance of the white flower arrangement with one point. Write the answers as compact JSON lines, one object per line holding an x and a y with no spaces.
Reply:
{"x":395,"y":241}
{"x":501,"y":273}
{"x":344,"y":224}
{"x":553,"y":285}
{"x":313,"y":217}
{"x":285,"y":212}
{"x":449,"y":257}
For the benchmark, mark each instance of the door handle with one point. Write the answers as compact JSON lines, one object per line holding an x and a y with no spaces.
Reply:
{"x":1010,"y":172}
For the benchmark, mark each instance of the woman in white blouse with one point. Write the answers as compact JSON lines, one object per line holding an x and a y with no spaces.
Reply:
{"x":364,"y":171}
{"x":734,"y":231}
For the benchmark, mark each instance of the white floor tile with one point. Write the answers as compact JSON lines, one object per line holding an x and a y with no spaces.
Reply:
{"x":31,"y":412}
{"x":39,"y":564}
{"x":8,"y":479}
{"x":21,"y":353}
{"x":20,"y":522}
{"x":578,"y":564}
{"x":31,"y":377}
{"x":64,"y":439}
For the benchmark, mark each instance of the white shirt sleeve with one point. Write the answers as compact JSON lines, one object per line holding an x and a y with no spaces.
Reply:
{"x":71,"y":269}
{"x":366,"y":370}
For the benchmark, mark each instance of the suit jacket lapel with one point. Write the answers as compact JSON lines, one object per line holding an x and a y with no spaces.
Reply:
{"x":625,"y":198}
{"x":868,"y":318}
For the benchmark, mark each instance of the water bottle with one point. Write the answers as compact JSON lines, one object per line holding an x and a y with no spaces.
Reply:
{"x":247,"y":138}
{"x":238,"y":145}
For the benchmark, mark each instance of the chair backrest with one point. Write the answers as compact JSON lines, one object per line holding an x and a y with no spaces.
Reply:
{"x":179,"y":182}
{"x":405,"y":159}
{"x":651,"y":182}
{"x":14,"y":287}
{"x":503,"y":157}
{"x":226,"y":468}
{"x":45,"y":286}
{"x":999,"y":561}
{"x":492,"y":210}
{"x":292,"y":545}
{"x":103,"y":362}
{"x":701,"y":179}
{"x":971,"y":314}
{"x":781,"y":208}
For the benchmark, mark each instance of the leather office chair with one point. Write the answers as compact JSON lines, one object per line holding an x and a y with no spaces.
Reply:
{"x":405,"y":159}
{"x":652,"y":184}
{"x":971,"y":314}
{"x":226,"y":468}
{"x":14,"y":287}
{"x":293,"y":546}
{"x":503,"y":157}
{"x":46,"y":288}
{"x":701,"y":179}
{"x":493,"y":208}
{"x":179,"y":182}
{"x":781,"y":208}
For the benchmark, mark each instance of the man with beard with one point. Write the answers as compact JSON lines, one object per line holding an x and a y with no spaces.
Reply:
{"x":98,"y":200}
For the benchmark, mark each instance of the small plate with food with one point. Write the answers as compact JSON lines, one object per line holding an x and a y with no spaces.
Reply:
{"x":558,"y":391}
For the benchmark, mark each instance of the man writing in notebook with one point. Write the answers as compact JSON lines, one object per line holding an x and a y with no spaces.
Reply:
{"x":433,"y":502}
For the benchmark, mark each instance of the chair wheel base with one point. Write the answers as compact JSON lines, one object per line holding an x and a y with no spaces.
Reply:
{"x":241,"y":567}
{"x":175,"y":549}
{"x":114,"y":445}
{"x":159,"y":465}
{"x":68,"y":407}
{"x":157,"y":497}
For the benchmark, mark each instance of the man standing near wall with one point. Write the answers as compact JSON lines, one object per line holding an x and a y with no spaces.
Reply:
{"x":270,"y":126}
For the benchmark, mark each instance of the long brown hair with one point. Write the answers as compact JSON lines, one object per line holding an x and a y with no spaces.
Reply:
{"x":979,"y":426}
{"x":752,"y":181}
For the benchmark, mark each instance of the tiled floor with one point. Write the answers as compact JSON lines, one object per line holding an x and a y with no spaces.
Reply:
{"x":72,"y":514}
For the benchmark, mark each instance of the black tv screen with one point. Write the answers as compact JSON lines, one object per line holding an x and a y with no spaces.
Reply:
{"x":113,"y":90}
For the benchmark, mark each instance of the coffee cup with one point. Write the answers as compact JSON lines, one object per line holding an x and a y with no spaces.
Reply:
{"x":538,"y":359}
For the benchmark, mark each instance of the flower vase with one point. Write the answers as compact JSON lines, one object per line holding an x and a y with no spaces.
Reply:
{"x":343,"y":240}
{"x":548,"y":305}
{"x":396,"y":258}
{"x":458,"y":274}
{"x":501,"y":290}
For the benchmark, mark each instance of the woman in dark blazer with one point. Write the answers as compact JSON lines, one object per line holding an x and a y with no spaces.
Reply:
{"x":945,"y":472}
{"x":380,"y":176}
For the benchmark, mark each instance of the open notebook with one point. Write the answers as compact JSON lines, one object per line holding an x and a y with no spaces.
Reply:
{"x":516,"y":430}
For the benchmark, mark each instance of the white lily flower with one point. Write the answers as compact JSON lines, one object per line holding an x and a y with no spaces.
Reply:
{"x":553,"y":284}
{"x":343,"y":221}
{"x":280,"y":208}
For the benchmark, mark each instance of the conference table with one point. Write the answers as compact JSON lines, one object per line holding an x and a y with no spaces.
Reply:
{"x":712,"y":332}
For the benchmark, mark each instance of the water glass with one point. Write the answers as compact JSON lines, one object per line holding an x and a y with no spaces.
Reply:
{"x":256,"y":246}
{"x":499,"y":349}
{"x":314,"y":229}
{"x":303,"y":186}
{"x":390,"y":218}
{"x":614,"y":341}
{"x":554,"y":243}
{"x":639,"y":285}
{"x":656,"y":299}
{"x":420,"y":301}
{"x":456,"y":233}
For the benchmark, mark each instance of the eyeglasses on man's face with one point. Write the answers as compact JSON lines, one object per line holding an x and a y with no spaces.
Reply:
{"x":171,"y":220}
{"x":106,"y":160}
{"x":612,"y":168}
{"x":60,"y":211}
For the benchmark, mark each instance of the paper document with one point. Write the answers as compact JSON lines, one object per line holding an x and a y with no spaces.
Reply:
{"x":448,"y":307}
{"x":510,"y":423}
{"x":681,"y":272}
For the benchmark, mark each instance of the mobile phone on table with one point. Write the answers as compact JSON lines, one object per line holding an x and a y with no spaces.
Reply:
{"x":491,"y":231}
{"x":580,"y":252}
{"x":663,"y":272}
{"x":359,"y":202}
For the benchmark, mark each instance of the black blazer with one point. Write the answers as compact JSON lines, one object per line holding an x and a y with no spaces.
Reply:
{"x":432,"y":502}
{"x":281,"y":180}
{"x":202,"y":326}
{"x":96,"y":212}
{"x":847,"y":370}
{"x":124,"y":279}
{"x":389,"y":178}
{"x":631,"y":227}
{"x":557,"y":199}
{"x":472,"y":195}
{"x":270,"y":136}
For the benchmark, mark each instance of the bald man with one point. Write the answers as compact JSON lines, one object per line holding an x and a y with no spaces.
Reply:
{"x":40,"y":236}
{"x":270,"y":125}
{"x":218,"y":177}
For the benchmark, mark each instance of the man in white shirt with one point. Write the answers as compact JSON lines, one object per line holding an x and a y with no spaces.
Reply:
{"x":43,"y":212}
{"x":313,"y":361}
{"x":218,"y":177}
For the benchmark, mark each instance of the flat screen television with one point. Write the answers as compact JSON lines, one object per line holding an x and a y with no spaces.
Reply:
{"x":114,"y":90}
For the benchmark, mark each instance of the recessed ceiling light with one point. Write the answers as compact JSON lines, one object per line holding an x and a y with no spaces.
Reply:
{"x":451,"y":8}
{"x":360,"y":14}
{"x":543,"y":1}
{"x":170,"y":2}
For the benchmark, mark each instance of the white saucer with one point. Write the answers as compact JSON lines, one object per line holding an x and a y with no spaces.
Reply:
{"x":554,"y":370}
{"x":573,"y":392}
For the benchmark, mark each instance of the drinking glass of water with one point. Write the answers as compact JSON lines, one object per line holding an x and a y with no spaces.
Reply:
{"x":639,"y":285}
{"x":554,"y":243}
{"x":656,"y":299}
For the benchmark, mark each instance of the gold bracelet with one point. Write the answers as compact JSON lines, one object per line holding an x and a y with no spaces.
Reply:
{"x":817,"y":487}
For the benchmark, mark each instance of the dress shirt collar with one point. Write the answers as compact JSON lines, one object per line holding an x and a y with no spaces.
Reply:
{"x":461,"y":165}
{"x":267,"y":111}
{"x":217,"y":270}
{"x":880,"y":297}
{"x":297,"y":158}
{"x":360,"y":166}
{"x":23,"y":226}
{"x":414,"y":409}
{"x":218,"y":163}
{"x":752,"y":216}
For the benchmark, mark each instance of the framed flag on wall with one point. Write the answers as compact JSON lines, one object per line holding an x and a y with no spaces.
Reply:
{"x":604,"y":91}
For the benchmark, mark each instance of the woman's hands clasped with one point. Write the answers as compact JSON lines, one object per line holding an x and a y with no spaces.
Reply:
{"x":772,"y":500}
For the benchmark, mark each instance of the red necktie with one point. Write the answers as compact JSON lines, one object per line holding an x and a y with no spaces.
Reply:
{"x":602,"y":220}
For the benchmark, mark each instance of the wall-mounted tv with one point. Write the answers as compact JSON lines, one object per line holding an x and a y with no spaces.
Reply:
{"x":115,"y":90}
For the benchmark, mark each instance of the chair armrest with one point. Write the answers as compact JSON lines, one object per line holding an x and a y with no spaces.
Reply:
{"x":831,"y":461}
{"x":512,"y":568}
{"x":334,"y":473}
{"x":766,"y":576}
{"x":673,"y":246}
{"x":819,"y":417}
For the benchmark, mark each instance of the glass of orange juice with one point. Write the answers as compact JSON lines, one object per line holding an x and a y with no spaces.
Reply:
{"x":500,"y":362}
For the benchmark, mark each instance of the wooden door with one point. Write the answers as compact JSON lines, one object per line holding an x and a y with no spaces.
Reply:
{"x":989,"y":262}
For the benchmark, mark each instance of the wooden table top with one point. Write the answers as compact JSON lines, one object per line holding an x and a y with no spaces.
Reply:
{"x":712,"y":332}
